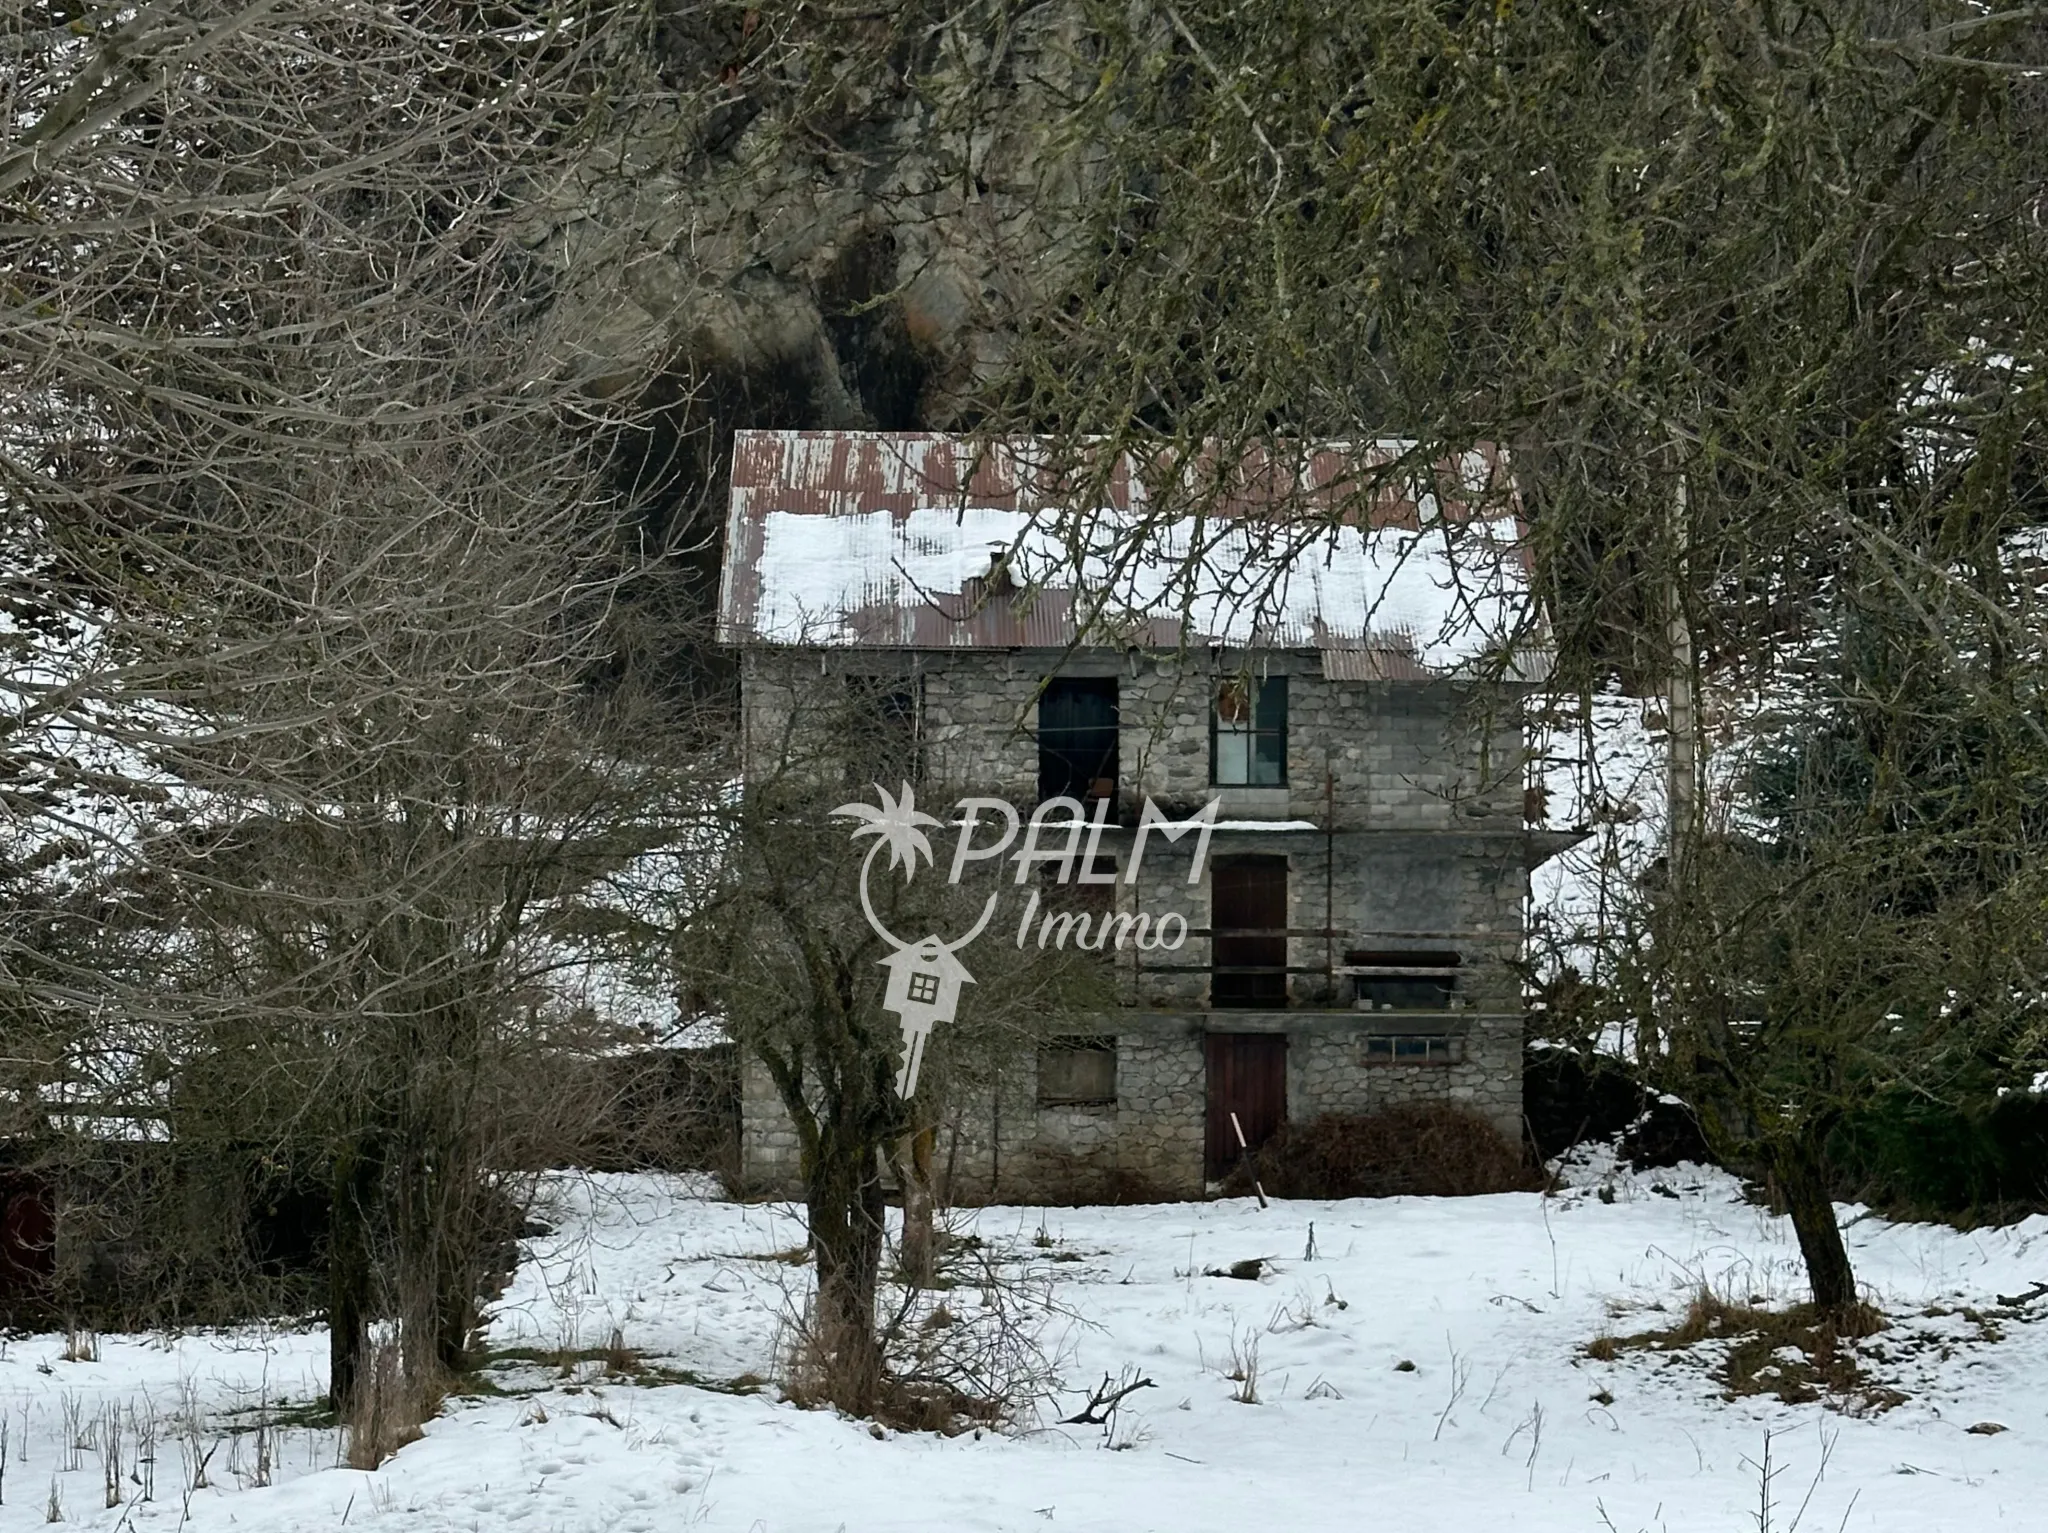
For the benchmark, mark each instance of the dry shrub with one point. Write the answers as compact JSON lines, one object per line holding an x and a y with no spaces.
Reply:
{"x":388,"y":1409}
{"x":967,"y":1351}
{"x":1798,"y":1355}
{"x":619,"y":1358}
{"x":1055,"y":1178}
{"x":646,"y":1110}
{"x":823,"y":1365}
{"x":1430,"y":1149}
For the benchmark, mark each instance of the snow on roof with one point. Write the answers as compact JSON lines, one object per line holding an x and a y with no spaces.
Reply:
{"x":850,"y":539}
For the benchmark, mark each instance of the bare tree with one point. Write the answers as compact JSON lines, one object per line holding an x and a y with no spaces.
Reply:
{"x":326,"y":516}
{"x":1753,"y":296}
{"x":781,"y":948}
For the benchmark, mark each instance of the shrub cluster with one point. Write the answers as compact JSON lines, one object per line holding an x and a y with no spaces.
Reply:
{"x":1432,"y":1149}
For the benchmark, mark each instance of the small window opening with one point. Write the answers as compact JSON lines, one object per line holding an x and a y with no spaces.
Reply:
{"x":1403,"y":981}
{"x":1413,"y":1049}
{"x":1077,"y":738}
{"x":884,"y":732}
{"x":1077,"y":1070}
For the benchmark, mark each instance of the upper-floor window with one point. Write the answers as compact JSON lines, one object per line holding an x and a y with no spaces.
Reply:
{"x":1248,"y":733}
{"x":883,"y":731}
{"x":1077,"y":738}
{"x":1403,"y":981}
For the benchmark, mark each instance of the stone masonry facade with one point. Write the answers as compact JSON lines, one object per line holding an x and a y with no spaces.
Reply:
{"x":1400,"y":829}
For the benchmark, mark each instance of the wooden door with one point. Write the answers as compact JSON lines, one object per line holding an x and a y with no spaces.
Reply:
{"x":1248,"y":916}
{"x":1247,"y":1076}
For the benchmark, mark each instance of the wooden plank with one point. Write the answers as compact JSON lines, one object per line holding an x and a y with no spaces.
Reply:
{"x":1400,"y":971}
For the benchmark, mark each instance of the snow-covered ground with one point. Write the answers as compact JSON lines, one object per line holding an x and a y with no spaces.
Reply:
{"x":1502,"y":1421}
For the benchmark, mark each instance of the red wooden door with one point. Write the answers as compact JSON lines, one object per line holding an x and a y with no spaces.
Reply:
{"x":1247,"y":1076}
{"x":1248,"y":914}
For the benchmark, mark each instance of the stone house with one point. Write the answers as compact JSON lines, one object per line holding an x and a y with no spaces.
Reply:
{"x":1338,"y":761}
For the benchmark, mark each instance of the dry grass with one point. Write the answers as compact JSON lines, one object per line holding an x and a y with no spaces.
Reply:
{"x":1797,"y":1355}
{"x":1431,"y":1149}
{"x":1243,"y":1368}
{"x":620,"y":1359}
{"x":1085,"y":1179}
{"x":788,"y":1256}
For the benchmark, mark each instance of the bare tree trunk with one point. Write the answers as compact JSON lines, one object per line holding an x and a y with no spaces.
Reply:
{"x":1802,"y":1183}
{"x":349,"y":1269}
{"x":1682,"y":774}
{"x":847,"y":1213}
{"x":914,"y":1170}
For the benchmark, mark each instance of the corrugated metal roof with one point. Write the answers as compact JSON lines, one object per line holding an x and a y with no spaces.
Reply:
{"x":928,"y":541}
{"x":1372,"y":665}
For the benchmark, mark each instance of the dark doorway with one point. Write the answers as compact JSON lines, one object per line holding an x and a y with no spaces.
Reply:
{"x":1077,"y":748}
{"x":1247,"y":1076}
{"x":1248,"y":919}
{"x":883,"y":734}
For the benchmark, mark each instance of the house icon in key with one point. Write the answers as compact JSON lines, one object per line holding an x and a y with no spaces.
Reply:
{"x":924,"y":988}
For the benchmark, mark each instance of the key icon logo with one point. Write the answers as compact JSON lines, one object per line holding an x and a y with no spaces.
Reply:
{"x":925,"y":976}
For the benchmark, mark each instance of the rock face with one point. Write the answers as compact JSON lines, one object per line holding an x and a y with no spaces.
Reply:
{"x":835,"y":223}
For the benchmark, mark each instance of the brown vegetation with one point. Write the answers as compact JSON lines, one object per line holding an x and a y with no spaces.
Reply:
{"x":1798,"y":1355}
{"x":1057,"y":1178}
{"x":1427,"y":1149}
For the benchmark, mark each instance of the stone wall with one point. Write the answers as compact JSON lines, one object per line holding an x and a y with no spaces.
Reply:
{"x":770,"y":1157}
{"x":1362,"y":755}
{"x":1401,"y":826}
{"x":1006,"y":1146}
{"x":1003,"y":1144}
{"x":1327,"y":1071}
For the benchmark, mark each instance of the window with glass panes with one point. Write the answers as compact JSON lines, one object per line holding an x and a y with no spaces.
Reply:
{"x":1248,"y":733}
{"x":1413,"y":1049}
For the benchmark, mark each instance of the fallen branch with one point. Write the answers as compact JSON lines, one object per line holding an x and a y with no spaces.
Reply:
{"x":1102,"y":1404}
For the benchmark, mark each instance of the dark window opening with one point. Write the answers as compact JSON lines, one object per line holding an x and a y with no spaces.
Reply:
{"x":1248,"y":734}
{"x":1403,"y":981}
{"x":1077,"y":738}
{"x":1074,"y":1071}
{"x":1074,"y":894}
{"x":884,"y":733}
{"x":1248,"y":920}
{"x":1414,"y":1049}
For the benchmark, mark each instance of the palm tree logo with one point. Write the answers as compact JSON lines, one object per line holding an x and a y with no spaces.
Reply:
{"x":925,"y":976}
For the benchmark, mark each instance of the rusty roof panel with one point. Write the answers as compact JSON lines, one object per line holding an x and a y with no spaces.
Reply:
{"x":935,"y":542}
{"x":1379,"y":664}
